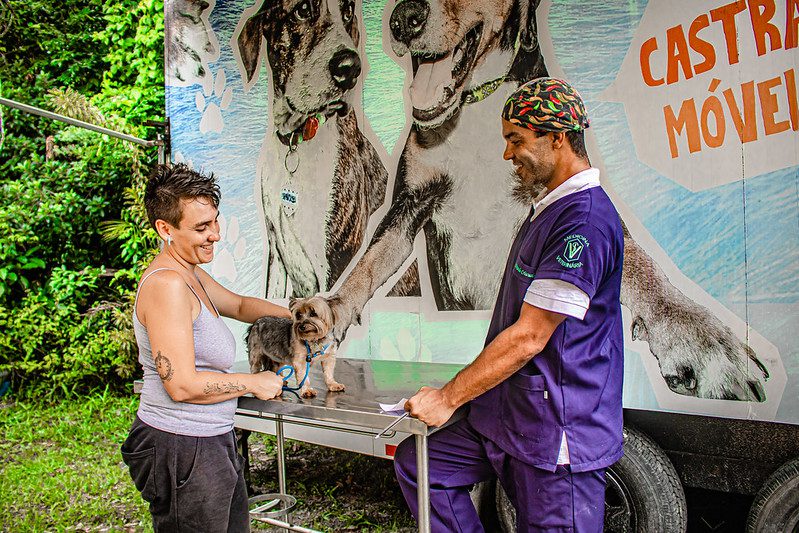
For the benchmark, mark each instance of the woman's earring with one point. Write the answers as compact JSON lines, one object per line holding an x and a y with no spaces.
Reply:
{"x":169,"y":240}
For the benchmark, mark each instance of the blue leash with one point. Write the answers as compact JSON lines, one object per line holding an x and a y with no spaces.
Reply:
{"x":309,"y":357}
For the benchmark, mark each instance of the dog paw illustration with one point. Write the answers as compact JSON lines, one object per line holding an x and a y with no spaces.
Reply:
{"x":211,"y":111}
{"x":180,"y":158}
{"x":335,"y":387}
{"x":700,"y":356}
{"x":309,"y":393}
{"x":229,"y":249}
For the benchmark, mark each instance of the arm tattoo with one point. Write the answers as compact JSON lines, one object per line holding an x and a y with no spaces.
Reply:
{"x":214,"y":387}
{"x":163,"y":366}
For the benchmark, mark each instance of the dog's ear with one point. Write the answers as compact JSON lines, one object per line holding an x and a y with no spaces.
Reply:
{"x":334,"y":303}
{"x":293,"y":302}
{"x":356,"y":33}
{"x":249,"y":41}
{"x":528,"y":35}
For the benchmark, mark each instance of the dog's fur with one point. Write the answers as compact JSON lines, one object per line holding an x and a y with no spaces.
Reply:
{"x":450,"y":183}
{"x":312,"y":51}
{"x":273,"y":342}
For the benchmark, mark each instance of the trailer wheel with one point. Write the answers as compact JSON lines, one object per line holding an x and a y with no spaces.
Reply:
{"x":643,"y":492}
{"x":776,"y":506}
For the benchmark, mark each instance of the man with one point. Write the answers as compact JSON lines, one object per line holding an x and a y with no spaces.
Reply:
{"x":545,"y":393}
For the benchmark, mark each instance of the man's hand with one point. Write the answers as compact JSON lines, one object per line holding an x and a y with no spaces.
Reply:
{"x":430,"y":406}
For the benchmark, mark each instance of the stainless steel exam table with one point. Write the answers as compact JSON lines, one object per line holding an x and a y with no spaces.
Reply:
{"x":354,"y":412}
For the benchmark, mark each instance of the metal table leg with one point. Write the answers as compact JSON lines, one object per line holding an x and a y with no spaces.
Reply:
{"x":281,"y":459}
{"x":281,"y":455}
{"x":423,"y":484}
{"x":244,"y":450}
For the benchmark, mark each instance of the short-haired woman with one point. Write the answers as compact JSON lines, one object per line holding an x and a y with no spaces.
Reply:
{"x":181,"y":449}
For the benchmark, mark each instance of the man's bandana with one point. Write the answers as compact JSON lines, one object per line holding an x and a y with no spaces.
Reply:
{"x":546,"y":104}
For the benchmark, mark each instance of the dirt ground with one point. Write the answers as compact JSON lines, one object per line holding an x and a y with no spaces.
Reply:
{"x":335,"y":490}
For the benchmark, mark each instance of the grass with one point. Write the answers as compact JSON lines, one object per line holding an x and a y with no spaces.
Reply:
{"x":61,"y":467}
{"x":60,"y":470}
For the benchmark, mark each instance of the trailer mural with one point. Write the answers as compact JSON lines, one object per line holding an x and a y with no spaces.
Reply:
{"x":359,"y":152}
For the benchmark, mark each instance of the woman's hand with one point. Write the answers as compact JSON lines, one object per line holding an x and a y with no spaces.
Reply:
{"x":266,"y":385}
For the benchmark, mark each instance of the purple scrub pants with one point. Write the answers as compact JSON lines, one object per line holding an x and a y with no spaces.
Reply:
{"x":459,"y":457}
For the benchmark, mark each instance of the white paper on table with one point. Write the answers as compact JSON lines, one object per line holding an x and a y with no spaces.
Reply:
{"x":391,"y":408}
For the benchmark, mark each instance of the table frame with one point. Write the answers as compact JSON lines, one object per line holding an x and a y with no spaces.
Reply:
{"x":423,"y":481}
{"x":357,"y":411}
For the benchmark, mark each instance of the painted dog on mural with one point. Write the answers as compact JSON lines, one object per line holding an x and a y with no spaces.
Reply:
{"x":320,"y":178}
{"x":467,"y":56}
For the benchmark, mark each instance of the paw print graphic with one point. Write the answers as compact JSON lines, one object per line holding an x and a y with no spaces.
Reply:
{"x":403,"y":347}
{"x":229,"y":249}
{"x":212,"y":113}
{"x":180,"y":158}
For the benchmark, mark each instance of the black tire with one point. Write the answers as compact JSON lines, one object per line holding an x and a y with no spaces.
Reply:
{"x":776,"y":506}
{"x":643,"y":493}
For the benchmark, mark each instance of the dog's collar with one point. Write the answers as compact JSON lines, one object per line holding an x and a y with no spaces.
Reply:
{"x":317,"y":353}
{"x":481,"y":92}
{"x":306,"y":132}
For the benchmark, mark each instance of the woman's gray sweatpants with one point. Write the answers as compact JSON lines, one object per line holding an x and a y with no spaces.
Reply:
{"x":191,"y":483}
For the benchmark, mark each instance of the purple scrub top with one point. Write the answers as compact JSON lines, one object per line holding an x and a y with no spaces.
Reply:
{"x":575,"y":383}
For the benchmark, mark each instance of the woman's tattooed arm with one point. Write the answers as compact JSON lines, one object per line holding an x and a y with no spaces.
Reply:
{"x":164,"y":367}
{"x":217,"y":387}
{"x":165,"y":371}
{"x":187,"y":384}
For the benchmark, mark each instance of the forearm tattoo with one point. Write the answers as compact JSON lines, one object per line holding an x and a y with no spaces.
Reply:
{"x":215,"y":387}
{"x":164,"y":367}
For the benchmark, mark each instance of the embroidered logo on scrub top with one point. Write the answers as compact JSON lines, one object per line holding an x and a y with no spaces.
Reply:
{"x":570,"y":257}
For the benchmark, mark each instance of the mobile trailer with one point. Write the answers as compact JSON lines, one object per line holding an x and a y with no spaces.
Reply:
{"x":694,"y":121}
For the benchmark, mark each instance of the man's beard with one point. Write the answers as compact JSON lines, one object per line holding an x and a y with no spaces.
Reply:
{"x":526,"y":190}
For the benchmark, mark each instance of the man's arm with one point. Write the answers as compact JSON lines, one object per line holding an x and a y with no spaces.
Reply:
{"x":506,"y":354}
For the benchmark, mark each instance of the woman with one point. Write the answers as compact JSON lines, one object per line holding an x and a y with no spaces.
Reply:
{"x":181,"y":449}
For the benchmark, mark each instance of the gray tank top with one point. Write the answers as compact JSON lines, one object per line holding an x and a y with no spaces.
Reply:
{"x":214,"y":351}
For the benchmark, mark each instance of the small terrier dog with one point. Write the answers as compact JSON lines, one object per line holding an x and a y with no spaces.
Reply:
{"x":273,"y":342}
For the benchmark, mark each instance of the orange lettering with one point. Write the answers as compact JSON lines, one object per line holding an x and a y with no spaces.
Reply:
{"x":745,"y":125}
{"x":678,"y":55}
{"x":649,"y":46}
{"x":790,"y":84}
{"x":713,"y":105}
{"x":687,"y":120}
{"x":726,"y":14}
{"x":701,"y":46}
{"x":769,"y":106}
{"x":791,"y":24}
{"x":761,"y":12}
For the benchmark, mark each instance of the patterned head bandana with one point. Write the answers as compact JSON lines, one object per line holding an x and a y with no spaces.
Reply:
{"x":546,"y":104}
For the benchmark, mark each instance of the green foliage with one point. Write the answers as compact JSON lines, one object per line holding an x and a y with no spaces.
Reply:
{"x":62,"y":346}
{"x":71,"y":214}
{"x":134,"y":38}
